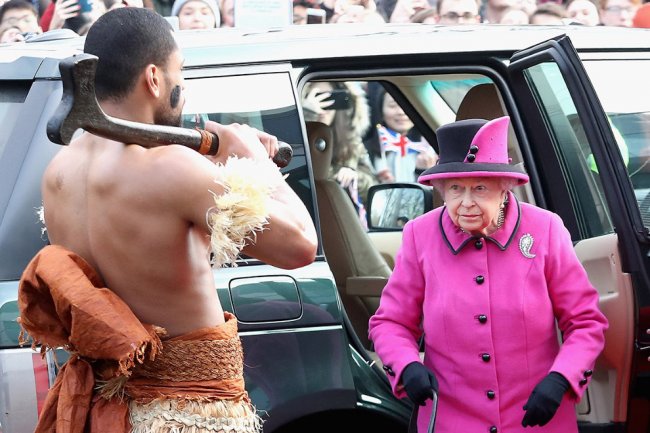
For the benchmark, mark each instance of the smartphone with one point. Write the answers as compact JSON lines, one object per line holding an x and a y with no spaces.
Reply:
{"x":315,"y":16}
{"x":85,"y":5}
{"x":341,"y":99}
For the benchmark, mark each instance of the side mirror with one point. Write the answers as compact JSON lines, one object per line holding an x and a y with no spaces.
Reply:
{"x":392,"y":205}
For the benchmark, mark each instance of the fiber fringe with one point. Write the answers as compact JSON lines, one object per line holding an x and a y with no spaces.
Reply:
{"x":243,"y":208}
{"x":189,"y":416}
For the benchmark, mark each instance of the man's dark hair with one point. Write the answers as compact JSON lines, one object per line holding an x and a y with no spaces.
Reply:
{"x":126,"y":40}
{"x":19,"y":5}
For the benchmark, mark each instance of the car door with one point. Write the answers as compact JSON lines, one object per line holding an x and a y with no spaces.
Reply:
{"x":575,"y":162}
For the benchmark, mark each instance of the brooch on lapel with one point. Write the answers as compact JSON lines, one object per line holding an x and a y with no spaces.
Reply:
{"x":525,"y":245}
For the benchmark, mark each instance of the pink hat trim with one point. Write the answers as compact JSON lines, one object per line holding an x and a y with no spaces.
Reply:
{"x":492,"y":142}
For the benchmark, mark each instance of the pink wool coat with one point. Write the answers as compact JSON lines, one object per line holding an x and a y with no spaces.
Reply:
{"x":488,"y":307}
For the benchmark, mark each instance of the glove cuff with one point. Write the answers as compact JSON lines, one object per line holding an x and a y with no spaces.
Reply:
{"x":559,"y":384}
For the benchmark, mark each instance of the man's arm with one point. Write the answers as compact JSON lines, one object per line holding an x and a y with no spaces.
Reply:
{"x":289,"y":239}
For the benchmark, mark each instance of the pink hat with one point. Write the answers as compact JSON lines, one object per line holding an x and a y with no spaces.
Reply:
{"x":474,"y":148}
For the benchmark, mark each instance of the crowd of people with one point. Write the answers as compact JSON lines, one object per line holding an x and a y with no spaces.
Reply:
{"x":19,"y":19}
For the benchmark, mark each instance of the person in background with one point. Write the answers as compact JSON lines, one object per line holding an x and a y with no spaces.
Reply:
{"x":21,"y":14}
{"x":197,"y":14}
{"x":426,"y":16}
{"x":397,"y":150}
{"x":618,"y":12}
{"x":404,"y":10}
{"x":584,"y":12}
{"x":452,"y":12}
{"x":491,"y":349}
{"x":349,"y":119}
{"x":515,"y":17}
{"x":548,"y":13}
{"x":227,"y":8}
{"x":10,"y":33}
{"x":494,"y":10}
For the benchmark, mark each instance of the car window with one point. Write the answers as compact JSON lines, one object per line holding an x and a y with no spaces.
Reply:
{"x":12,"y":96}
{"x":265,"y":102}
{"x":627,"y":104}
{"x":570,"y":144}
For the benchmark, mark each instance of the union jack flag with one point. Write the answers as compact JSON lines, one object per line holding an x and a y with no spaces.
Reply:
{"x":392,"y":141}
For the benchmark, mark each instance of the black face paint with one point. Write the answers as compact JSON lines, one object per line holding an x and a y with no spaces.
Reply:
{"x":175,"y":96}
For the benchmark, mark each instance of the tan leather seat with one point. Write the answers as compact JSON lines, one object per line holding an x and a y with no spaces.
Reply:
{"x":359,"y":270}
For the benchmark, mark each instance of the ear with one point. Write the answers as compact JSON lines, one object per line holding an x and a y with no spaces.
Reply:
{"x":153,"y":80}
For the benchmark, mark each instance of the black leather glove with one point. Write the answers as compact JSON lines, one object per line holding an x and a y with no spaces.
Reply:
{"x":419,"y":382}
{"x":544,"y":400}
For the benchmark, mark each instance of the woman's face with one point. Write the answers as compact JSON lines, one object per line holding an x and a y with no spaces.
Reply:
{"x":196,"y":15}
{"x":584,"y":12}
{"x":473,"y":203}
{"x":394,"y":116}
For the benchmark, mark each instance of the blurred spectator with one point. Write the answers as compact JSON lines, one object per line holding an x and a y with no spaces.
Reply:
{"x":405,"y":9}
{"x":515,"y":17}
{"x":356,"y":11}
{"x":548,"y":14}
{"x":10,"y":33}
{"x":196,"y":14}
{"x":425,"y":16}
{"x":227,"y":8}
{"x":358,"y":14}
{"x":66,"y":13}
{"x":458,"y":12}
{"x":397,"y":150}
{"x":21,"y":14}
{"x":300,"y":8}
{"x":495,"y":9}
{"x":344,"y":107}
{"x":584,"y":12}
{"x":618,"y":12}
{"x":642,"y":18}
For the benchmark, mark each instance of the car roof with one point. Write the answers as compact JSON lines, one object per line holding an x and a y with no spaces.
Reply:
{"x":233,"y":46}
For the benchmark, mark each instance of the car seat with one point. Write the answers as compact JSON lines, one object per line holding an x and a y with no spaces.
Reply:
{"x":359,"y":270}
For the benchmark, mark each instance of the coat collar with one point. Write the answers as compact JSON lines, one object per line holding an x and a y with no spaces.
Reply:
{"x":456,"y":239}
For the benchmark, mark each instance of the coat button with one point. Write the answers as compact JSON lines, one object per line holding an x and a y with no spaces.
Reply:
{"x":490,"y":394}
{"x":583,"y":382}
{"x":588,"y":373}
{"x":494,"y":429}
{"x":482,"y":318}
{"x":471,"y":157}
{"x":480,"y":279}
{"x":388,"y":370}
{"x":478,"y":244}
{"x":485,"y":357}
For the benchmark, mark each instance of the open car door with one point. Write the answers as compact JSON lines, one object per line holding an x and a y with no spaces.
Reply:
{"x":576,"y":165}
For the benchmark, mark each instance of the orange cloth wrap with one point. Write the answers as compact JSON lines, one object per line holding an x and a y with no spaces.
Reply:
{"x":63,"y":303}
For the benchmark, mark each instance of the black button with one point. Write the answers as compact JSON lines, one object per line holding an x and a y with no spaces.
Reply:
{"x":471,"y":157}
{"x":473,"y":148}
{"x":480,"y":279}
{"x":482,"y":318}
{"x":478,"y":244}
{"x":588,"y":373}
{"x":490,"y":394}
{"x":486,"y":357}
{"x":493,"y":429}
{"x":583,"y":382}
{"x":389,"y":370}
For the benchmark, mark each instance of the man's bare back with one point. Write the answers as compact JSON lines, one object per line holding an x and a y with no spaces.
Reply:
{"x":118,"y":208}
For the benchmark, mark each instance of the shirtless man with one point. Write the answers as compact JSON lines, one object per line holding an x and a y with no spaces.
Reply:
{"x":138,"y":216}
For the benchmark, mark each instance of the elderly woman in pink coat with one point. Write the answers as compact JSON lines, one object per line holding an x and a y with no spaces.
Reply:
{"x":485,"y":278}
